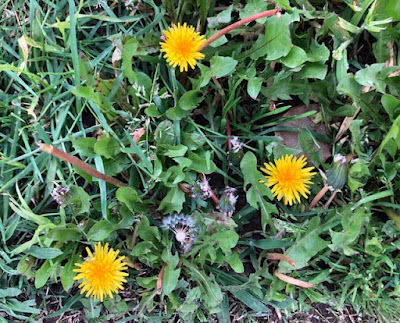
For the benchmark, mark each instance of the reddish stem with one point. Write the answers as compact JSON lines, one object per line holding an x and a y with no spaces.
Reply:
{"x":80,"y":164}
{"x":318,"y":197}
{"x":213,"y":196}
{"x":238,"y":24}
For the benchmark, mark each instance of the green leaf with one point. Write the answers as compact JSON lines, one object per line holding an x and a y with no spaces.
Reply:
{"x":130,"y":49}
{"x":295,"y":58}
{"x":172,"y":151}
{"x":190,"y":100}
{"x":254,"y":86}
{"x":84,"y":146}
{"x":193,"y":140}
{"x":351,"y":223}
{"x":28,"y":306}
{"x":374,"y":246}
{"x":370,"y":76}
{"x":235,"y":262}
{"x":107,"y":147}
{"x":64,"y":233}
{"x":318,"y":53}
{"x":201,"y":164}
{"x":226,"y":240}
{"x":305,"y":247}
{"x":147,"y":232}
{"x":350,"y":87}
{"x":186,"y":103}
{"x":43,"y":274}
{"x":147,"y":282}
{"x":392,"y":137}
{"x":100,"y":231}
{"x":389,"y":9}
{"x":171,"y":274}
{"x":173,"y":176}
{"x":9,"y":292}
{"x":67,"y":275}
{"x":129,"y":196}
{"x":222,"y":66}
{"x":314,"y":71}
{"x":276,"y":42}
{"x":210,"y":291}
{"x":173,"y":201}
{"x":269,"y":244}
{"x":79,"y":199}
{"x":25,"y":265}
{"x":165,"y":133}
{"x":391,"y":106}
{"x":223,"y":17}
{"x":357,"y":171}
{"x":257,"y":191}
{"x":147,"y":253}
{"x":252,"y":7}
{"x":44,"y":253}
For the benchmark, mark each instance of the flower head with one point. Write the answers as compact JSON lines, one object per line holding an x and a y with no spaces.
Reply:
{"x":337,"y":175}
{"x":103,"y":274}
{"x":181,"y":46}
{"x":228,"y":201}
{"x":288,"y":178}
{"x":60,"y":194}
{"x":201,"y":190}
{"x":185,"y":229}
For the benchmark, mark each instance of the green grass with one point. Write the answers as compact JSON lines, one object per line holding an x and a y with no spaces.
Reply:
{"x":63,"y":83}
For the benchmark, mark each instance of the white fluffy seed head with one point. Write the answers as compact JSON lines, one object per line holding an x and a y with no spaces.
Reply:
{"x":180,"y":236}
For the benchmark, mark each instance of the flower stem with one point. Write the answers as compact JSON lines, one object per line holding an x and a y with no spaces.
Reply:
{"x":238,"y":24}
{"x":228,"y":126}
{"x":213,"y":196}
{"x":80,"y":164}
{"x":317,"y":197}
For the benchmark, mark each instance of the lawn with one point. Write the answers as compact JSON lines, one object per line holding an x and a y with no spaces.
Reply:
{"x":199,"y":161}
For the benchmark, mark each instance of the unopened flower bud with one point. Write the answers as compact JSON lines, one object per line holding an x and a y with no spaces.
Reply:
{"x":60,"y":194}
{"x":236,"y":154}
{"x":228,"y":201}
{"x":201,"y":190}
{"x":337,"y":175}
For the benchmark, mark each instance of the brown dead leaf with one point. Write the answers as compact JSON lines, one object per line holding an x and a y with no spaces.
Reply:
{"x":289,"y":138}
{"x":160,"y":279}
{"x":25,"y":50}
{"x":346,"y":124}
{"x":279,"y":256}
{"x":293,"y":281}
{"x":137,"y":134}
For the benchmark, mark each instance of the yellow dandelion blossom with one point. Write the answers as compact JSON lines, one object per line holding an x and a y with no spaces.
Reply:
{"x":288,"y":178}
{"x":181,"y":46}
{"x":103,"y":274}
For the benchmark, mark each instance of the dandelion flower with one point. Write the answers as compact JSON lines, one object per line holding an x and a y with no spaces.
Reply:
{"x":103,"y":274}
{"x":288,"y":178}
{"x":181,"y":46}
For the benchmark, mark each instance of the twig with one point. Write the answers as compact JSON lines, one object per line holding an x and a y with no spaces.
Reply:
{"x":80,"y":164}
